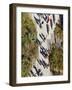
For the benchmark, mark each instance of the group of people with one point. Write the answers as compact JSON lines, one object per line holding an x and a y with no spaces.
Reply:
{"x":49,"y":21}
{"x":43,"y":63}
{"x":37,"y":72}
{"x":47,"y":18}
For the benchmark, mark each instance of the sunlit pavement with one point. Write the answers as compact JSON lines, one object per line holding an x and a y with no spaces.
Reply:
{"x":46,"y":44}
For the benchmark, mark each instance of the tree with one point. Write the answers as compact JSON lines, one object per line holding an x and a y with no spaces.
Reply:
{"x":56,"y":54}
{"x":58,"y":34}
{"x":29,"y":48}
{"x":56,"y":60}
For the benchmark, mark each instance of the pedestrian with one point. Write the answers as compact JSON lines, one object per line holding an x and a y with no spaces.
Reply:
{"x":47,"y":27}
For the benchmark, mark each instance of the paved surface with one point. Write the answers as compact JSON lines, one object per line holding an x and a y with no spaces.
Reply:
{"x":46,"y":44}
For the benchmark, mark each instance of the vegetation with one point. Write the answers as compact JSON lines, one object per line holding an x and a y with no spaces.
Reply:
{"x":56,"y":60}
{"x":56,"y":54}
{"x":29,"y":47}
{"x":58,"y":33}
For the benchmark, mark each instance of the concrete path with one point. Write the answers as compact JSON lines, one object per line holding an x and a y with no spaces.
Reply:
{"x":49,"y":39}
